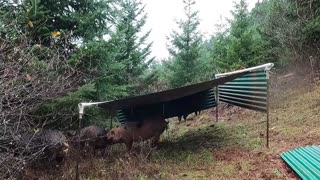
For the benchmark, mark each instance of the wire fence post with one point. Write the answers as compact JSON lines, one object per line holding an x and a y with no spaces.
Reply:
{"x":111,"y":123}
{"x":268,"y":123}
{"x":217,"y":102}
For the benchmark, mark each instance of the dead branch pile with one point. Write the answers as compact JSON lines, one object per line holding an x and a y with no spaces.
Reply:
{"x":30,"y":75}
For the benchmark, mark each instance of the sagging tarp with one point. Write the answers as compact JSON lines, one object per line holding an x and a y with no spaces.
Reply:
{"x":164,"y":96}
{"x":178,"y":107}
{"x":188,"y":99}
{"x":170,"y":103}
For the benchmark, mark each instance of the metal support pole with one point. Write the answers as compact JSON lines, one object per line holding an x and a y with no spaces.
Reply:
{"x":268,"y":123}
{"x":217,"y":101}
{"x":78,"y":159}
{"x":81,"y":109}
{"x":163,"y":112}
{"x":111,"y":123}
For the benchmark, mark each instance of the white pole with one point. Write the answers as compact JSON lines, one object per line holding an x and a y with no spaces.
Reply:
{"x":266,"y":67}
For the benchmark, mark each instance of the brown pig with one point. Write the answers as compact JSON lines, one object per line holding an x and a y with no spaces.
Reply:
{"x":127,"y":134}
{"x":92,"y":138}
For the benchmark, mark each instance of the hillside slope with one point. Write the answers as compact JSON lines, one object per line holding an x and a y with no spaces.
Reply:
{"x":233,"y":148}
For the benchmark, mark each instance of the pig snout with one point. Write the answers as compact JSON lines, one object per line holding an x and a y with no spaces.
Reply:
{"x":109,"y":138}
{"x":112,"y":137}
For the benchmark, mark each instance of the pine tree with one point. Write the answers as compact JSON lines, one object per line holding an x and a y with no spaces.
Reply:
{"x":219,"y":44}
{"x":73,"y":31}
{"x":133,"y":50}
{"x":239,"y":52}
{"x":244,"y":45}
{"x":184,"y":48}
{"x":240,"y":21}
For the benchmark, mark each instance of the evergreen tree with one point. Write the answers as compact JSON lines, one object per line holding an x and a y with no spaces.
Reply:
{"x":185,"y":48}
{"x":240,"y":22}
{"x":74,"y":30}
{"x":218,"y":51}
{"x":131,"y":46}
{"x":242,"y":45}
{"x":240,"y":39}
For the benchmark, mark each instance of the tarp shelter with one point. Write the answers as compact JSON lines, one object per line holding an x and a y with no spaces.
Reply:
{"x":169,"y":103}
{"x":247,"y":88}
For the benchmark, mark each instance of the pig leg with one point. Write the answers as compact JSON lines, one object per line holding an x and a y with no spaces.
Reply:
{"x":91,"y":149}
{"x":94,"y":151}
{"x":98,"y":152}
{"x":52,"y":158}
{"x":185,"y":117}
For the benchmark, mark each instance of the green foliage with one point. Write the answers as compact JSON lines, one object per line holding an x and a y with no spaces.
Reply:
{"x":243,"y":45}
{"x":272,"y":24}
{"x":129,"y":47}
{"x":312,"y":30}
{"x":62,"y":113}
{"x":59,"y":108}
{"x":290,"y":28}
{"x":98,"y":59}
{"x":185,"y":48}
{"x":117,"y":67}
{"x":75,"y":20}
{"x":105,"y":41}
